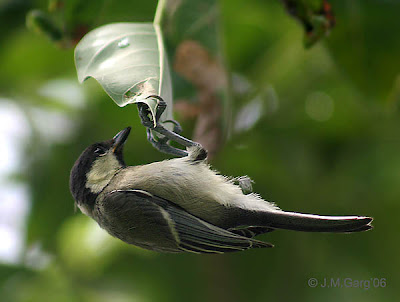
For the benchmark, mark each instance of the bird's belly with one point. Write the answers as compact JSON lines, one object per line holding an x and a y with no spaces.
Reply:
{"x":194,"y":188}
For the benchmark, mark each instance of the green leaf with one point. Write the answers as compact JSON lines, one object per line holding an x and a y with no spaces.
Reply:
{"x":129,"y":61}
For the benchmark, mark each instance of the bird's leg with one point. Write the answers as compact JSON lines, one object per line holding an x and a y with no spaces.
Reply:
{"x":177,"y":127}
{"x":162,"y":145}
{"x":167,"y":135}
{"x":245,"y":183}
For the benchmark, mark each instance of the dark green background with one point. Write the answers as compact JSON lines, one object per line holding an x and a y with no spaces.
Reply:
{"x":348,"y":164}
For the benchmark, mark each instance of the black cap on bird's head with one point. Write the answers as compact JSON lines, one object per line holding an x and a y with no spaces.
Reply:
{"x":95,"y":165}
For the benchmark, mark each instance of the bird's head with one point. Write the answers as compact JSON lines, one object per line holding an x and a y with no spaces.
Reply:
{"x":94,"y":169}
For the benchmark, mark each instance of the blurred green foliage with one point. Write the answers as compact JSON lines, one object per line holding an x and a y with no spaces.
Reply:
{"x":327,"y":142}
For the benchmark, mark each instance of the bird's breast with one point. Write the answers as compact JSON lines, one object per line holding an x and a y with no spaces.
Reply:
{"x":192,"y":186}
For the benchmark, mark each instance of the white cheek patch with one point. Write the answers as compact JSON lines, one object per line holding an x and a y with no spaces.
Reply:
{"x":103,"y":169}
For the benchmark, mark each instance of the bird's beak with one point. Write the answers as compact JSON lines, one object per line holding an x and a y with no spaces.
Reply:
{"x":120,"y":139}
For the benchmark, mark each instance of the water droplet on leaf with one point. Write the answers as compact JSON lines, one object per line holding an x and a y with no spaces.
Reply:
{"x":123,"y":43}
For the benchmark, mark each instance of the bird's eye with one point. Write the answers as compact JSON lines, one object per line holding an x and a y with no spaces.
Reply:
{"x":100,"y":151}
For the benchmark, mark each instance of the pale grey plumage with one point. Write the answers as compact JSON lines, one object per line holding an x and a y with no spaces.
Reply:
{"x":181,"y":204}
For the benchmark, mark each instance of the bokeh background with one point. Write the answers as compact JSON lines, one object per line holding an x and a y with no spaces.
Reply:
{"x":317,"y":129}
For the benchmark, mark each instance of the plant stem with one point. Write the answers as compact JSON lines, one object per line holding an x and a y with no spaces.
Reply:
{"x":159,"y":12}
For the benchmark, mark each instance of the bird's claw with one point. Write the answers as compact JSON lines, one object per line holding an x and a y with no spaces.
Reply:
{"x":177,"y":127}
{"x":162,"y":145}
{"x":245,"y":183}
{"x":154,"y":126}
{"x":144,"y":114}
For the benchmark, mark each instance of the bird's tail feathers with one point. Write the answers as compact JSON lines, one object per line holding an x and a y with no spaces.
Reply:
{"x":315,"y":223}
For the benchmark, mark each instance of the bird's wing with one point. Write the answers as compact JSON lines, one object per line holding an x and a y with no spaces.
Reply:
{"x":251,"y":231}
{"x":190,"y":233}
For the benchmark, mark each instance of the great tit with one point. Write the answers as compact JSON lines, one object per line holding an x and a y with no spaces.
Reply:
{"x":181,"y":204}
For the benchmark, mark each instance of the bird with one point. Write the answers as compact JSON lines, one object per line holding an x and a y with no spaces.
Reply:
{"x":182,"y":204}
